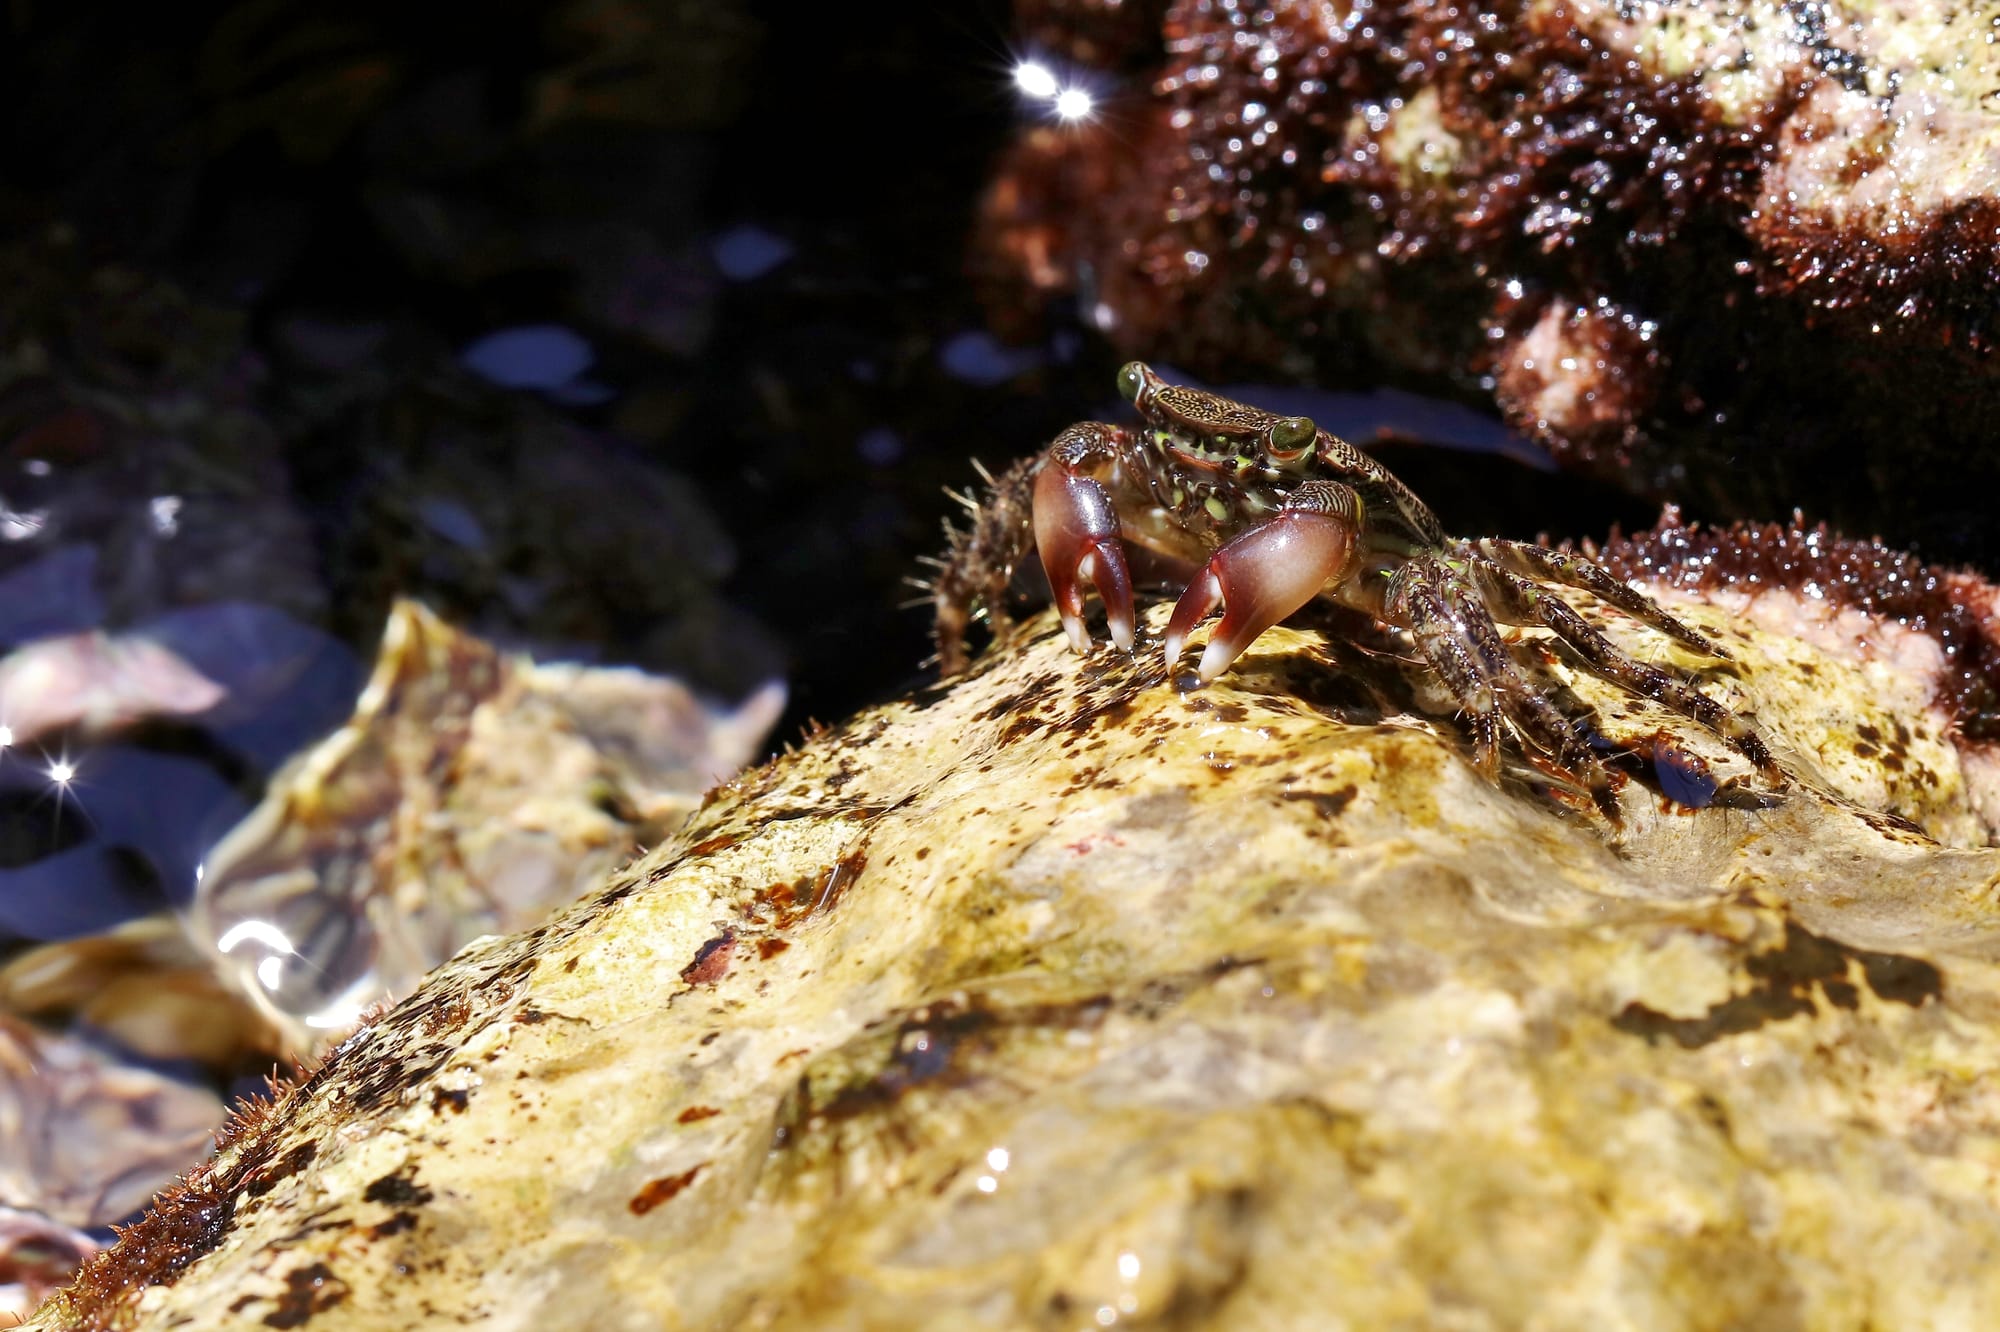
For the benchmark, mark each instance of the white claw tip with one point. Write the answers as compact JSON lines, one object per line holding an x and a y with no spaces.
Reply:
{"x":1173,"y":649}
{"x":1079,"y":637}
{"x":1215,"y":659}
{"x":1121,"y":633}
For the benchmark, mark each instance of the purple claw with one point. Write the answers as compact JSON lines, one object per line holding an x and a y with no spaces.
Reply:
{"x":1076,"y":531}
{"x":1259,"y":578}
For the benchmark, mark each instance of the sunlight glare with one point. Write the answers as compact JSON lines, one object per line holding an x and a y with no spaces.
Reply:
{"x":254,"y":931}
{"x":1036,"y":80}
{"x":1074,"y":104}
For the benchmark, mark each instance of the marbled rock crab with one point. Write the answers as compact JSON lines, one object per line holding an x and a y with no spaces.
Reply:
{"x":1270,"y":513}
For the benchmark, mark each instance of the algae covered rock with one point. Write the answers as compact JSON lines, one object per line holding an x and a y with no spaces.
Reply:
{"x":1734,"y":254}
{"x":1064,"y":997}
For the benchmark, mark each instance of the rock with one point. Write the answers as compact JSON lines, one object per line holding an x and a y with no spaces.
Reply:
{"x":148,"y":988}
{"x":139,"y":457}
{"x":472,"y":792}
{"x":1734,"y":255}
{"x":85,"y":1138}
{"x":97,"y":681}
{"x":36,"y":1257}
{"x":1062,"y":998}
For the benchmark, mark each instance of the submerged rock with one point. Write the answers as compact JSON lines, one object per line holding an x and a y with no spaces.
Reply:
{"x":85,"y":1138}
{"x":97,"y":681}
{"x":36,"y":1257}
{"x":471,"y":792}
{"x":1063,"y":998}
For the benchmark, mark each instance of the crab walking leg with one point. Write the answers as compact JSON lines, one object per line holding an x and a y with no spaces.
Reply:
{"x":980,"y":561}
{"x":1570,"y":570}
{"x":1435,"y":598}
{"x":1076,"y":530}
{"x":1267,"y":573}
{"x":1532,"y":605}
{"x":1415,"y":602}
{"x":1527,"y":705}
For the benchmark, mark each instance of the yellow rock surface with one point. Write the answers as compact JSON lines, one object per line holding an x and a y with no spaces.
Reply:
{"x":1061,"y":998}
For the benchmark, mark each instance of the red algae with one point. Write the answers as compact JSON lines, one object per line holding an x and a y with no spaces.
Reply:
{"x":1958,"y":609}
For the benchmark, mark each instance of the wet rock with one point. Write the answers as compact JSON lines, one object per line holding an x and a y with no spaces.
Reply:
{"x":86,"y":1138}
{"x":36,"y":1257}
{"x":98,"y":682}
{"x":134,"y":455}
{"x":471,"y":792}
{"x":145,"y":988}
{"x":1737,"y":255}
{"x":1063,"y":997}
{"x":525,"y":526}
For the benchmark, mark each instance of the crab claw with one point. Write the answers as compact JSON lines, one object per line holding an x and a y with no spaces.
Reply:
{"x":1076,"y":531}
{"x":1259,"y":578}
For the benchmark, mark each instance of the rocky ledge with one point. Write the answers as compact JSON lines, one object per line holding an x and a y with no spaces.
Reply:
{"x":1066,"y":997}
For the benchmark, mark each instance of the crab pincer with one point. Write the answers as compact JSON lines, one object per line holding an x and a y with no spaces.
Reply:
{"x":1267,"y":573}
{"x":1076,"y":531}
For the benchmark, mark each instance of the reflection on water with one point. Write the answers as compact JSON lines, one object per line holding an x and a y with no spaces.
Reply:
{"x":296,"y":981}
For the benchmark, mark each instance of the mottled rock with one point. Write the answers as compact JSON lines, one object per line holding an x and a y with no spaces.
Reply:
{"x":1062,"y":998}
{"x":97,"y":682}
{"x":472,"y":792}
{"x":1737,"y":254}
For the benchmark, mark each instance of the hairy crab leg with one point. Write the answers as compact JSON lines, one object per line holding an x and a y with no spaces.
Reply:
{"x":1570,"y":570}
{"x":1416,"y":602}
{"x":1267,"y":573}
{"x":980,"y":561}
{"x":1459,"y":638}
{"x":1076,"y":530}
{"x":1533,"y":605}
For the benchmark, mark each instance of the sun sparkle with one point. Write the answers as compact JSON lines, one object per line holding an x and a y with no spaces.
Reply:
{"x":1074,"y":104}
{"x":1036,"y":80}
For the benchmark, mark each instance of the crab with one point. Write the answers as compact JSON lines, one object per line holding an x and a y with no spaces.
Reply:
{"x":1270,"y":513}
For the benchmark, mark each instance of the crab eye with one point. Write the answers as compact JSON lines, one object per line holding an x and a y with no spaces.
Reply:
{"x":1131,"y":379}
{"x":1291,"y":435}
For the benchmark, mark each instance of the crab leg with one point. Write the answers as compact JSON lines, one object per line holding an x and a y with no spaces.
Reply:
{"x":1466,"y":649}
{"x":1267,"y":573}
{"x":1570,"y":570}
{"x":1076,"y":530}
{"x":1419,"y":604}
{"x":1531,"y":605}
{"x":980,"y":561}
